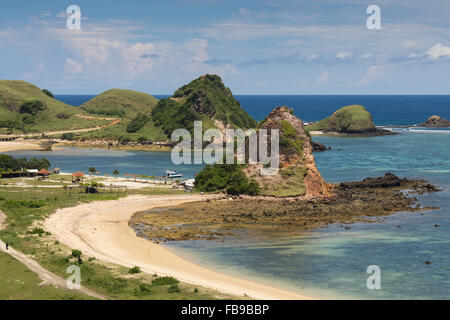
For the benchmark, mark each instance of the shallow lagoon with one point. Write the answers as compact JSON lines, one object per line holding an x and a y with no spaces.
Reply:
{"x":332,"y":262}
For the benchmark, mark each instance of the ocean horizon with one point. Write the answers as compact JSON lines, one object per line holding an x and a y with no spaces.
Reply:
{"x":387,"y":110}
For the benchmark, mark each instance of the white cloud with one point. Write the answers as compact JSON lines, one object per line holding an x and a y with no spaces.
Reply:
{"x":372,"y":73}
{"x":343,"y":55}
{"x":323,"y":78}
{"x":73,"y":67}
{"x":438,"y":51}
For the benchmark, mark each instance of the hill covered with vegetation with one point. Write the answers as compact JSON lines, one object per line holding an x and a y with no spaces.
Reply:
{"x":133,"y":108}
{"x":26,"y":108}
{"x":205,"y":99}
{"x":120,"y":103}
{"x":350,"y":119}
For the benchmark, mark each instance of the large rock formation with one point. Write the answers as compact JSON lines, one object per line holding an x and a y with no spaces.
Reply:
{"x":436,"y":122}
{"x":298,"y":174}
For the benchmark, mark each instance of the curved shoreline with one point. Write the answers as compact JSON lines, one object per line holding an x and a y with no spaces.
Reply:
{"x":100,"y":229}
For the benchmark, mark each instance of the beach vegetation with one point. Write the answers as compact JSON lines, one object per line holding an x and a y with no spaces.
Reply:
{"x":134,"y":270}
{"x":225,"y":177}
{"x":173,"y":289}
{"x":8,"y":162}
{"x":68,"y":136}
{"x":165,"y":281}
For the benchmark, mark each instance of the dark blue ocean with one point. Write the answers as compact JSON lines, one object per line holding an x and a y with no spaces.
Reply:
{"x":386,"y":110}
{"x":332,"y":262}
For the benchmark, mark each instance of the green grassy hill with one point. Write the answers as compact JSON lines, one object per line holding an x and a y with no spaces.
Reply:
{"x":25,"y":108}
{"x":205,"y":99}
{"x":133,"y":108}
{"x":350,"y":119}
{"x":120,"y":103}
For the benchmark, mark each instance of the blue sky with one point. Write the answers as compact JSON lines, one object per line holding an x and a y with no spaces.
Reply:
{"x":257,"y":47}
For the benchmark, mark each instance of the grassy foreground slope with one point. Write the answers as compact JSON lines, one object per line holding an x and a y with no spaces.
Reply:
{"x":350,"y":119}
{"x":53,"y":115}
{"x":17,"y":282}
{"x":205,"y":99}
{"x":24,"y":232}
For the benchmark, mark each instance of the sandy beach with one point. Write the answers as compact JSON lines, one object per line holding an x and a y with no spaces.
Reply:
{"x":18,"y":145}
{"x":100,"y":229}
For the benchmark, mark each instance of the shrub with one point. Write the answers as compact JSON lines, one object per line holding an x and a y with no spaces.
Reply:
{"x":174,"y":289}
{"x":68,"y":136}
{"x":32,"y":107}
{"x":47,"y":92}
{"x":63,"y":115}
{"x":111,"y":284}
{"x":134,"y":270}
{"x":165,"y":281}
{"x":34,"y":204}
{"x":76,"y":253}
{"x":143,"y":290}
{"x":38,"y":231}
{"x":227,"y":177}
{"x":137,"y":123}
{"x":124,"y":139}
{"x":28,"y":119}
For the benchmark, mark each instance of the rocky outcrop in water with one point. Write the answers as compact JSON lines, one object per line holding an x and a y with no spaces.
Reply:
{"x":361,"y":201}
{"x":436,"y":122}
{"x":298,"y":174}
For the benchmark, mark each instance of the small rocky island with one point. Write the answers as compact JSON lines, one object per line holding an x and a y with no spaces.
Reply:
{"x":435,"y":122}
{"x":352,"y":120}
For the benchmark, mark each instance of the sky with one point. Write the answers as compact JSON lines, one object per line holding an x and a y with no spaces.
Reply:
{"x":257,"y":47}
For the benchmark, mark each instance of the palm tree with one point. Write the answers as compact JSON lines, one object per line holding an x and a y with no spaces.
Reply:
{"x":116,"y":173}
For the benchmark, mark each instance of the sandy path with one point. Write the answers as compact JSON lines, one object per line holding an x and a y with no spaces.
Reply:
{"x":46,"y":276}
{"x":54,"y":133}
{"x":100,"y":229}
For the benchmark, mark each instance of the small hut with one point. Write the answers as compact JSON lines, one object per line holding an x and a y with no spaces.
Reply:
{"x":43,"y":174}
{"x":32,"y":172}
{"x":56,"y":170}
{"x":78,"y":177}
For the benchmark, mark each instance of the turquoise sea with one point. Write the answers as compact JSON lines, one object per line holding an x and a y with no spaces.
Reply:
{"x":332,"y":262}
